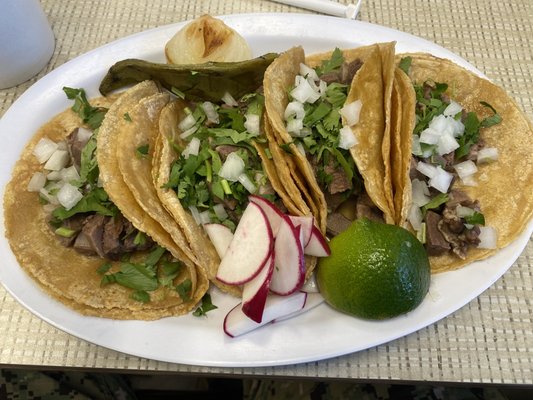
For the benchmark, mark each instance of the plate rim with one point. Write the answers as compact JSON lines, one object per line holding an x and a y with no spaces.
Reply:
{"x":521,"y":242}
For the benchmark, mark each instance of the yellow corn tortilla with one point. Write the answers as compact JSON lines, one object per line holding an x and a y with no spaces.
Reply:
{"x":62,"y":272}
{"x":373,"y":86}
{"x":505,"y":186}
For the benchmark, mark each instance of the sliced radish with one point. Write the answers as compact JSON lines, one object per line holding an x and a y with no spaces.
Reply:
{"x":289,"y":271}
{"x":312,"y":300}
{"x":272,"y":212}
{"x":317,"y":245}
{"x":255,"y":292}
{"x":236,"y":323}
{"x":250,"y":248}
{"x":221,"y":237}
{"x":306,"y":222}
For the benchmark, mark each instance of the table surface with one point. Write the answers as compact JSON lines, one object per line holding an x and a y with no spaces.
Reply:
{"x":487,"y":341}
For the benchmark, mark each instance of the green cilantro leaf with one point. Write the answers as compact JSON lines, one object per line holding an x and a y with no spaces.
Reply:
{"x":184,"y":289}
{"x":206,"y":306}
{"x":332,"y":64}
{"x":92,"y":116}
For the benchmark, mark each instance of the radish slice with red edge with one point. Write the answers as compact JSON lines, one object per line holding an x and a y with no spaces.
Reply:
{"x":313,"y":300}
{"x":236,"y":323}
{"x":272,"y":212}
{"x":317,"y":246}
{"x":306,"y":222}
{"x":255,"y":292}
{"x":289,"y":270}
{"x":250,"y":248}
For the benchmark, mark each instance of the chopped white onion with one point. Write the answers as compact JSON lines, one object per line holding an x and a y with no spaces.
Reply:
{"x":294,"y":108}
{"x":247,"y":183}
{"x":204,"y":217}
{"x":69,"y":174}
{"x":68,"y":196}
{"x":308,"y":72}
{"x":58,"y":160}
{"x":488,"y":237}
{"x":351,"y":112}
{"x":192,"y":148}
{"x":426,"y":169}
{"x":441,"y":180}
{"x":420,"y":192}
{"x":469,"y":180}
{"x":188,"y":132}
{"x":347,"y":138}
{"x":295,"y":126}
{"x":447,"y":144}
{"x":453,"y":109}
{"x":429,"y":136}
{"x":465,"y":168}
{"x":84,"y":134}
{"x":54,"y":176}
{"x":252,"y":123}
{"x":229,"y":100}
{"x":187,"y":123}
{"x":220,"y":211}
{"x":210,"y":112}
{"x":304,"y":92}
{"x":195,"y":214}
{"x":44,"y":149}
{"x":486,"y":155}
{"x":49,"y":197}
{"x":62,"y":145}
{"x":37,"y":182}
{"x":415,"y":217}
{"x":232,"y":167}
{"x":463,"y":211}
{"x":442,"y":124}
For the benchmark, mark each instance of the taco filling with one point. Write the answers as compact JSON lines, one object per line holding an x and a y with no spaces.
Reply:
{"x":314,"y":119}
{"x":446,"y":152}
{"x":218,"y":164}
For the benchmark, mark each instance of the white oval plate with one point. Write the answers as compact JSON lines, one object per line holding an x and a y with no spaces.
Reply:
{"x":319,"y":334}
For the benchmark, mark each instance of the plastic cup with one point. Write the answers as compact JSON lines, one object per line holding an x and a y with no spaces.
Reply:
{"x":26,"y":41}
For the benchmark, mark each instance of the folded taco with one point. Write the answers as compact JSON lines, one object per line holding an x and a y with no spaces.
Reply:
{"x":467,"y":172}
{"x":210,"y":157}
{"x":81,"y":235}
{"x":329,"y":119}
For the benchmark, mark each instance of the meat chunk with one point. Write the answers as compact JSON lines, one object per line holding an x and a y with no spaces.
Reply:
{"x":337,"y":223}
{"x":76,"y":142}
{"x":436,"y":244}
{"x":348,"y":71}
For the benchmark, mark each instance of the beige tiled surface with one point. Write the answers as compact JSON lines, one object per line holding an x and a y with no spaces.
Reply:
{"x":488,"y":340}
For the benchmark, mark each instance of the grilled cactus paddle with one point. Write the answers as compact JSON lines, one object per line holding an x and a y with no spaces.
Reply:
{"x":209,"y":81}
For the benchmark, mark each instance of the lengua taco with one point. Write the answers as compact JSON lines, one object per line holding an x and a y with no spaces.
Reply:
{"x":330,"y":128}
{"x":467,"y":174}
{"x":81,"y":235}
{"x":211,"y":156}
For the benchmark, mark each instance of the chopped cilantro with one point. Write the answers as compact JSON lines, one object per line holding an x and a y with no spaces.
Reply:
{"x":141,"y":295}
{"x":332,"y":64}
{"x":127,"y":117}
{"x":206,"y":306}
{"x":94,"y":201}
{"x":405,"y":64}
{"x":142,"y":151}
{"x":435,"y":202}
{"x":133,"y":276}
{"x":475,"y":219}
{"x":184,"y":289}
{"x":104,"y":268}
{"x":92,"y":116}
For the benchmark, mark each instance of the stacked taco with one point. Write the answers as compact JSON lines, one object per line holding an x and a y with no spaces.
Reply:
{"x":338,"y":136}
{"x":399,"y":172}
